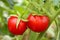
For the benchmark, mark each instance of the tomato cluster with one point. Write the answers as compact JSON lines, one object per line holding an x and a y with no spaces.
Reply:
{"x":35,"y":23}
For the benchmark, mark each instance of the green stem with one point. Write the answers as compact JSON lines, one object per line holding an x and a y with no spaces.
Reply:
{"x":46,"y":12}
{"x":58,"y":28}
{"x":57,"y":38}
{"x":42,"y":33}
{"x":16,"y":37}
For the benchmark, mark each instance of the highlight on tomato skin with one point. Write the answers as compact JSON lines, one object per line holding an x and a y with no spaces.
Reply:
{"x":20,"y":29}
{"x":38,"y":23}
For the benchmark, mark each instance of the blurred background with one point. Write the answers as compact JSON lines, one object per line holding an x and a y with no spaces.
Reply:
{"x":8,"y":7}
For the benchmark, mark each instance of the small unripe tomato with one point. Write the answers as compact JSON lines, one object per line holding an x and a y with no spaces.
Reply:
{"x":38,"y":23}
{"x":13,"y":28}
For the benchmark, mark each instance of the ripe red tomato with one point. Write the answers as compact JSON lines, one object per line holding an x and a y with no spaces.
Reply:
{"x":16,"y":30}
{"x":38,"y":23}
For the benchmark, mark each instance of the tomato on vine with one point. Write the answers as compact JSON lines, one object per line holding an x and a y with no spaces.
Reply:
{"x":16,"y":30}
{"x":38,"y":23}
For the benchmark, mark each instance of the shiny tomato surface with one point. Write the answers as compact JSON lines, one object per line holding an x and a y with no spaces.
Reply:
{"x":38,"y":23}
{"x":16,"y":30}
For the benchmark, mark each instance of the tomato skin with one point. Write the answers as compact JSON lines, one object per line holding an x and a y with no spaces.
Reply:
{"x":20,"y":29}
{"x":38,"y":23}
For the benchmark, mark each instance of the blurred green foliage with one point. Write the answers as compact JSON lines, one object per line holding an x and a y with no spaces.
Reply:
{"x":50,"y":7}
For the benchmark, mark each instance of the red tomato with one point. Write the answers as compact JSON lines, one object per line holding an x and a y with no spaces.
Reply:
{"x":38,"y":23}
{"x":16,"y":30}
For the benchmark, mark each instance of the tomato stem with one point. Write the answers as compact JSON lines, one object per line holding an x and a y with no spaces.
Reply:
{"x":16,"y":37}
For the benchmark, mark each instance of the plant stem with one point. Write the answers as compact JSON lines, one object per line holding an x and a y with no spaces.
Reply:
{"x":16,"y":37}
{"x":58,"y":28}
{"x":57,"y":38}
